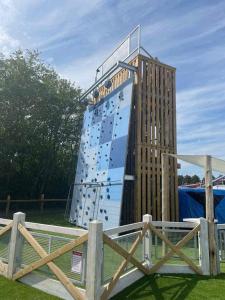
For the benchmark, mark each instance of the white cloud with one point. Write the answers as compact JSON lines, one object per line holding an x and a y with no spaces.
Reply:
{"x":82,"y":71}
{"x":7,"y":42}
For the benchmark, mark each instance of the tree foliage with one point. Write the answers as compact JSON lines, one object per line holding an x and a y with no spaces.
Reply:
{"x":187,"y":179}
{"x":40,"y":123}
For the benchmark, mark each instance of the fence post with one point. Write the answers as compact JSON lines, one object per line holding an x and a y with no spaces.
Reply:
{"x":8,"y":199}
{"x":16,"y":244}
{"x":42,"y":199}
{"x":204,"y":247}
{"x":148,"y":242}
{"x":94,"y":260}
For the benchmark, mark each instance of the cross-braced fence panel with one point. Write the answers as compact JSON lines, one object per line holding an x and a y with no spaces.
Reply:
{"x":4,"y":246}
{"x":112,"y":259}
{"x":5,"y":234}
{"x":50,"y":243}
{"x":174,"y":235}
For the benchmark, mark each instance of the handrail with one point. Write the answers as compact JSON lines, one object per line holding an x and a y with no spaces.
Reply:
{"x":119,"y":64}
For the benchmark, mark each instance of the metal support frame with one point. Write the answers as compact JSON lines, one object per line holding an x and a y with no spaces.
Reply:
{"x":118,"y":65}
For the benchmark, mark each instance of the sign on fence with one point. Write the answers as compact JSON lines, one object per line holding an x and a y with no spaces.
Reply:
{"x":77,"y":259}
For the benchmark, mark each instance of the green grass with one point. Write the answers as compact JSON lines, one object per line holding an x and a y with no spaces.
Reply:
{"x":17,"y":291}
{"x":175,"y":287}
{"x":53,"y":217}
{"x":163,"y":287}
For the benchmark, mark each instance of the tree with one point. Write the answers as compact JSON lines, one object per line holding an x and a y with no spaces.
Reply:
{"x":195,"y":179}
{"x":187,"y":179}
{"x":40,"y":124}
{"x":180,"y":180}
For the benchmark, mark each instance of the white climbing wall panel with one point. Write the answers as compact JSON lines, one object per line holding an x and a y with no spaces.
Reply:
{"x":99,"y":181}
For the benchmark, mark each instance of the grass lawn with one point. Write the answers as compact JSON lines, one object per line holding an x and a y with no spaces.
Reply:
{"x":53,"y":216}
{"x":163,"y":287}
{"x":175,"y":287}
{"x":17,"y":291}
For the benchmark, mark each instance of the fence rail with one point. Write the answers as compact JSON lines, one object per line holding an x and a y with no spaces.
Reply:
{"x":95,"y":264}
{"x":40,"y":201}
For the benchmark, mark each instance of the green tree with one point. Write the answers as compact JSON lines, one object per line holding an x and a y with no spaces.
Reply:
{"x":40,"y":122}
{"x":187,"y":179}
{"x":195,"y":179}
{"x":180,"y":179}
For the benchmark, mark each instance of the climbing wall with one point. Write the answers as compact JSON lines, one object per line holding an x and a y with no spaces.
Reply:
{"x":99,"y":181}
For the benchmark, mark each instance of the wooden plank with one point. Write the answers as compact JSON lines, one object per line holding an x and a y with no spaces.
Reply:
{"x":149,"y":140}
{"x":170,"y":139}
{"x":204,"y":247}
{"x":179,"y":245}
{"x":158,"y":158}
{"x":175,"y":144}
{"x":55,"y":229}
{"x":126,"y":280}
{"x":176,"y":224}
{"x":6,"y":228}
{"x":124,"y":228}
{"x":15,"y":245}
{"x":117,"y":248}
{"x":62,"y":250}
{"x":142,"y":57}
{"x":175,"y":269}
{"x":123,"y":265}
{"x":210,"y":215}
{"x":3,"y":268}
{"x":56,"y":270}
{"x":175,"y":249}
{"x":138,"y":141}
{"x":94,"y":261}
{"x":144,"y":134}
{"x":154,"y":142}
{"x":165,"y":188}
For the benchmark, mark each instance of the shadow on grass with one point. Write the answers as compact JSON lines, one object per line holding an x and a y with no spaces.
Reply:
{"x":164,"y":287}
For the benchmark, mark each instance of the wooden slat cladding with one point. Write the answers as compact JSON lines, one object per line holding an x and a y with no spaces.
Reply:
{"x":153,"y":132}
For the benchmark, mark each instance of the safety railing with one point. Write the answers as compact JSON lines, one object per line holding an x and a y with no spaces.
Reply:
{"x":96,"y":264}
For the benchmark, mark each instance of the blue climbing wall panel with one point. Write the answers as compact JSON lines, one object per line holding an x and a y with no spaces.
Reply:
{"x":98,"y":187}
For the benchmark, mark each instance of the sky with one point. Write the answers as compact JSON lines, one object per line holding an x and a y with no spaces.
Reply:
{"x":75,"y":36}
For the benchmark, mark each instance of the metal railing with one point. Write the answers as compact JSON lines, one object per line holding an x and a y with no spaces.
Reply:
{"x":126,"y":48}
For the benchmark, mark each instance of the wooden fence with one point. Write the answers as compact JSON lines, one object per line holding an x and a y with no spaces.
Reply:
{"x":114,"y":259}
{"x":41,"y":201}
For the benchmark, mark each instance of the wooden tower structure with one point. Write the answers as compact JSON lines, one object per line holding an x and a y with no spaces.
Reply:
{"x":152,"y":133}
{"x":152,"y":128}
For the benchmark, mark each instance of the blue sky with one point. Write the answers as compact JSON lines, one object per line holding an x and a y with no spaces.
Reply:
{"x":75,"y":36}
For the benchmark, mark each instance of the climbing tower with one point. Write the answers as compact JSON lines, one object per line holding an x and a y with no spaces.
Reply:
{"x":129,"y":122}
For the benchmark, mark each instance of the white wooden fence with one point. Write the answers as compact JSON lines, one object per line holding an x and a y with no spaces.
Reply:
{"x":112,"y":259}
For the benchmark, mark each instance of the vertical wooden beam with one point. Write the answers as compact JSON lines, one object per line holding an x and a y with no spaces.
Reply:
{"x":153,"y":144}
{"x":8,"y":200}
{"x":94,"y":260}
{"x":213,"y":253}
{"x":138,"y":142}
{"x":144,"y":135}
{"x":165,"y":188}
{"x":208,"y":189}
{"x":204,"y":247}
{"x":42,"y":199}
{"x":16,"y":244}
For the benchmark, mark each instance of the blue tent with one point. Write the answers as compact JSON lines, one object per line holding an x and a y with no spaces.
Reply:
{"x":192,"y":203}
